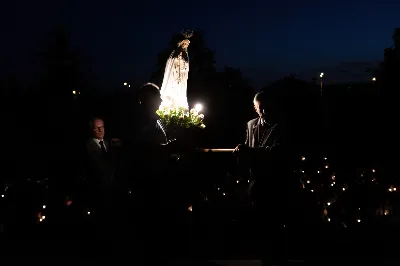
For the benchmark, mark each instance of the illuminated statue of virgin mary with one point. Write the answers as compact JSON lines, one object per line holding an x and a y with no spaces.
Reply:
{"x":174,"y":86}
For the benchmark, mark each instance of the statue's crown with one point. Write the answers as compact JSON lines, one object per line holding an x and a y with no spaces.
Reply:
{"x":187,"y":33}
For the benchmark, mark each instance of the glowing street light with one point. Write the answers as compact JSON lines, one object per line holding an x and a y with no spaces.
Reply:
{"x":198,"y":107}
{"x":321,"y":79}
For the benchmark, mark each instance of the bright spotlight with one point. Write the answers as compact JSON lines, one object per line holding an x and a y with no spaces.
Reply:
{"x":198,"y":107}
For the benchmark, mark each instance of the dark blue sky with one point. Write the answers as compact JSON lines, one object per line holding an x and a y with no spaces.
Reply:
{"x":265,"y":39}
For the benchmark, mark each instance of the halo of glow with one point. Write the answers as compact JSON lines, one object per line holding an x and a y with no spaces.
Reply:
{"x":198,"y":107}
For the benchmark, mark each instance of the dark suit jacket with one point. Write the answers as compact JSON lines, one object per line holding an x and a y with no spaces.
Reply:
{"x":98,"y":166}
{"x":267,"y":160}
{"x":270,"y":133}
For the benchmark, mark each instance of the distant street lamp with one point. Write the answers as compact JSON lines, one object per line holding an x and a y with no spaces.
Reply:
{"x":321,"y":80}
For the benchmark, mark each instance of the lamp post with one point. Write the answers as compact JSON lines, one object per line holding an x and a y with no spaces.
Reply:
{"x":321,"y":76}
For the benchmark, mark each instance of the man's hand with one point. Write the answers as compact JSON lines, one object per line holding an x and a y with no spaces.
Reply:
{"x":240,"y":148}
{"x":116,"y":141}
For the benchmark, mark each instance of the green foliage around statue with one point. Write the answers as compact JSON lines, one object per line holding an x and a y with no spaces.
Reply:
{"x":181,"y":118}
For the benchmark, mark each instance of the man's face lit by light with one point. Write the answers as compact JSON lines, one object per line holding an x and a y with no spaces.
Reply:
{"x":257,"y":107}
{"x":98,"y":129}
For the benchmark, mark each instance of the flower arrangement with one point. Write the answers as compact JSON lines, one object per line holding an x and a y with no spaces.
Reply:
{"x":180,"y":117}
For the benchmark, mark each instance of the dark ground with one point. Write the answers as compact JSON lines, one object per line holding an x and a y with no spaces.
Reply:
{"x":208,"y":244}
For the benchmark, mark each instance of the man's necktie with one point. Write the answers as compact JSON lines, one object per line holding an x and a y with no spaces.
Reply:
{"x":103,"y":148}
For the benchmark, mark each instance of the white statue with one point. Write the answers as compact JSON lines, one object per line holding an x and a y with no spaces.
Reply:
{"x":174,"y":86}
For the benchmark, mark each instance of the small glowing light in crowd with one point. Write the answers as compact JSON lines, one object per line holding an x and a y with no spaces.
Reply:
{"x":326,"y":166}
{"x":125,"y":83}
{"x":129,"y":191}
{"x":373,"y":79}
{"x":333,"y":177}
{"x":198,"y":107}
{"x":386,"y":212}
{"x":318,"y":171}
{"x":373,"y":179}
{"x":358,"y":221}
{"x":321,"y":75}
{"x":373,"y":170}
{"x":129,"y":86}
{"x":343,"y":189}
{"x":329,"y":219}
{"x":44,"y":206}
{"x":303,"y":158}
{"x":359,"y":208}
{"x":237,"y":181}
{"x":312,"y":190}
{"x":43,"y":217}
{"x":332,"y":184}
{"x":2,"y":196}
{"x":223,"y":194}
{"x":394,"y":189}
{"x":88,"y":213}
{"x":328,"y":203}
{"x":308,"y":181}
{"x":302,"y":171}
{"x":218,"y":188}
{"x":248,"y":181}
{"x":190,"y":208}
{"x":74,"y":92}
{"x":325,"y":158}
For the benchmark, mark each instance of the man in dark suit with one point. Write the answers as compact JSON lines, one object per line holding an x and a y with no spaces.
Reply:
{"x":99,"y":167}
{"x":154,"y":170}
{"x":265,"y":154}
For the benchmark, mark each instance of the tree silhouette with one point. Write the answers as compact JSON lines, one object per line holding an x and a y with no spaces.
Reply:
{"x":388,"y":72}
{"x":297,"y":105}
{"x":61,"y":75}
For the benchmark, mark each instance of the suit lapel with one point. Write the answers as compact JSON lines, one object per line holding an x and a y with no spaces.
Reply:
{"x":252,"y":133}
{"x":94,"y":145}
{"x":267,"y":136}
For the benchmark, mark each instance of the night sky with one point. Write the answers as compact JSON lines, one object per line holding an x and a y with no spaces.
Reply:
{"x":266,"y":39}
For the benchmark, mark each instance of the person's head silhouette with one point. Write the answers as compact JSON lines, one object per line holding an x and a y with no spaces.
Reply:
{"x":150,"y":97}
